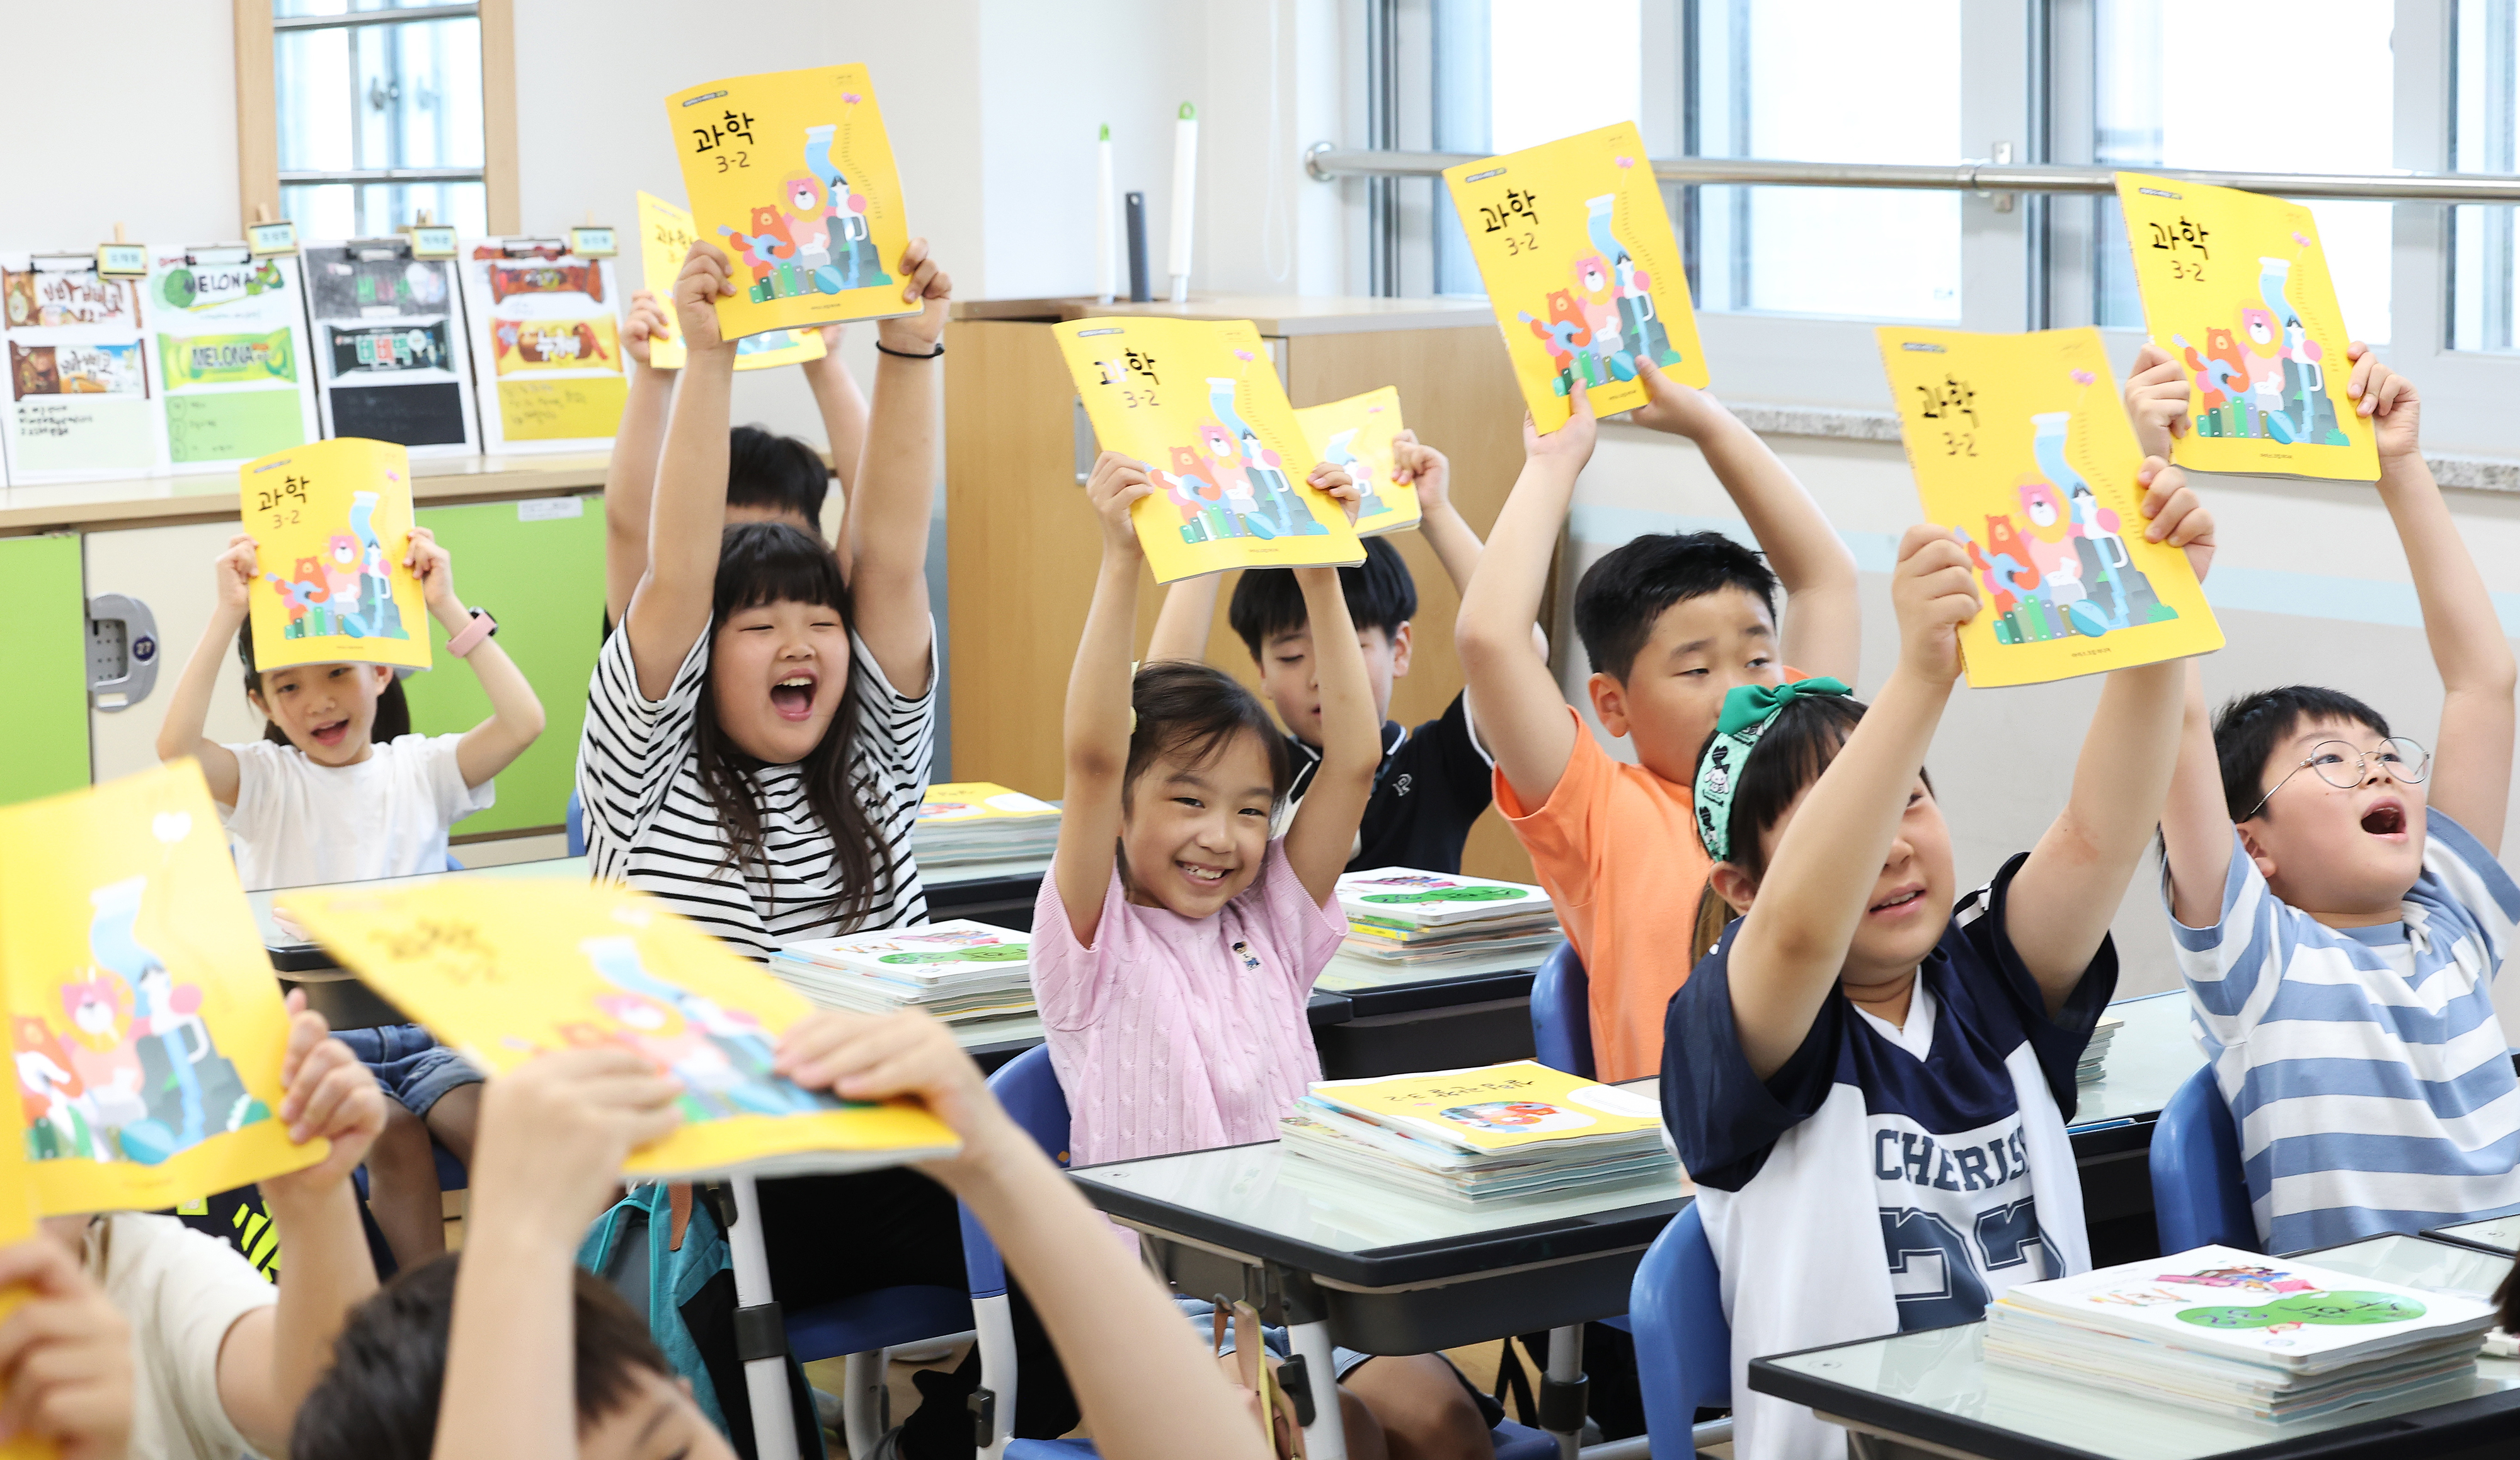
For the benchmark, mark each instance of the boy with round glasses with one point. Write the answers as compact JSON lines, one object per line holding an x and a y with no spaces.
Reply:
{"x":2336,"y":901}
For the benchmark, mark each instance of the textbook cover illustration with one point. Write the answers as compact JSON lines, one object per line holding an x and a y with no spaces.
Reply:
{"x":1356,"y":434}
{"x":2235,"y":285}
{"x":331,"y":521}
{"x":1493,"y":1107}
{"x":231,"y":342}
{"x":791,"y":174}
{"x":2019,"y":442}
{"x":548,"y":323}
{"x":393,"y":359}
{"x":920,"y":955}
{"x":503,"y":969}
{"x":83,"y":403}
{"x":1581,"y":268}
{"x":1406,"y":898}
{"x":146,"y":1029}
{"x":664,"y":238}
{"x":1198,"y":401}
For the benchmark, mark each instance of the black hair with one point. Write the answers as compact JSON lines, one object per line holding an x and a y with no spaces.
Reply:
{"x":764,"y":469}
{"x":1619,"y":598}
{"x":379,"y":1398}
{"x":2250,"y":727}
{"x":1194,"y":710}
{"x":1379,"y":593}
{"x":766,"y":562}
{"x":393,"y":711}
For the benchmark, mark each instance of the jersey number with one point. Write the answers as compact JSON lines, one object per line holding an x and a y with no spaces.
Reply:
{"x":1932,"y":1271}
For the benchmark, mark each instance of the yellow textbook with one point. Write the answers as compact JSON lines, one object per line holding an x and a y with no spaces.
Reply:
{"x":2236,"y":287}
{"x":664,"y":240}
{"x":500,"y":971}
{"x":790,"y":174}
{"x":1356,"y":434}
{"x":146,"y":1022}
{"x":1493,"y":1107}
{"x":978,"y":800}
{"x":1581,"y":268}
{"x":2020,"y":443}
{"x":1199,"y":404}
{"x":17,"y":1225}
{"x":332,"y":524}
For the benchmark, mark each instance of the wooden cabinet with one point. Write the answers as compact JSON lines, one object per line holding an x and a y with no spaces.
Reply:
{"x":1023,"y":545}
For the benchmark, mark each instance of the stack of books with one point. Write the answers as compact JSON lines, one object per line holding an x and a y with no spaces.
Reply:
{"x":1480,"y":1135}
{"x":2234,"y":1332}
{"x":960,"y":971}
{"x":980,"y":821}
{"x":1398,"y":915}
{"x":2096,"y":1055}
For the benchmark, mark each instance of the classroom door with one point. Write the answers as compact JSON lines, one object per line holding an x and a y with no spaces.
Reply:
{"x":43,"y":599}
{"x":538,"y":566}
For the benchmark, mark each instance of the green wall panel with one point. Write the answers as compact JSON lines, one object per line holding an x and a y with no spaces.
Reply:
{"x":43,"y":599}
{"x":542,"y":577}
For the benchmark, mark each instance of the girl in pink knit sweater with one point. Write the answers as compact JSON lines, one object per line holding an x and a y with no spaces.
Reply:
{"x":1176,"y":942}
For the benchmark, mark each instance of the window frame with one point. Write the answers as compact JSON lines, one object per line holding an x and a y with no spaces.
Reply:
{"x":258,"y":112}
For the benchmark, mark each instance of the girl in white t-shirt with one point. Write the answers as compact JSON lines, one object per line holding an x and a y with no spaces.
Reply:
{"x":340,"y":790}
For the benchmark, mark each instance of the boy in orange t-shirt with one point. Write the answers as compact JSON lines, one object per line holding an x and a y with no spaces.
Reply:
{"x":1671,"y":622}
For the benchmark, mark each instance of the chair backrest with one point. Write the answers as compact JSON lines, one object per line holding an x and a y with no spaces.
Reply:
{"x":1028,"y":1088}
{"x":1562,"y":1013}
{"x":576,"y":825}
{"x":453,"y":865}
{"x":1683,"y":1345}
{"x":2199,"y":1194}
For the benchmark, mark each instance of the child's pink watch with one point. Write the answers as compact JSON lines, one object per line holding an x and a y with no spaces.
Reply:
{"x":470,"y":636}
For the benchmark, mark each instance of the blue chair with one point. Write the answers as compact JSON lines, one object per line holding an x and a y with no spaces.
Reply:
{"x":2199,"y":1194}
{"x":576,"y":825}
{"x":1028,"y":1088}
{"x":453,"y":865}
{"x":1683,"y":1345}
{"x":1562,"y":1013}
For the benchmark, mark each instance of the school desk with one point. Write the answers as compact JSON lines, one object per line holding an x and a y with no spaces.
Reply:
{"x":2113,"y":1120}
{"x":2499,"y":1235}
{"x":1935,"y":1389}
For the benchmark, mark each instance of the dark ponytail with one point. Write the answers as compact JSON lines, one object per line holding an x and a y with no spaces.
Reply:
{"x":393,"y":711}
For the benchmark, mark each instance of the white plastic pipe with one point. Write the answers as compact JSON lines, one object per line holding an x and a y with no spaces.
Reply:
{"x":1106,"y":275}
{"x":1185,"y":181}
{"x":765,"y":1379}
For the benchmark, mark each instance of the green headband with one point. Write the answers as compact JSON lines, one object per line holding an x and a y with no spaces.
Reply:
{"x":1748,"y":711}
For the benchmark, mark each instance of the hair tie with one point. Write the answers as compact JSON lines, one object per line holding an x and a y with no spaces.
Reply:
{"x":1748,"y":711}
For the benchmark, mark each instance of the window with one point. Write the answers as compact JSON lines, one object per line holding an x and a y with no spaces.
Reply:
{"x":2484,"y":138}
{"x":379,"y":111}
{"x":1800,"y":82}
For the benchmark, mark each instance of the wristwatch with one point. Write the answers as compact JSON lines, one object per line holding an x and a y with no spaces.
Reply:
{"x":466,"y":639}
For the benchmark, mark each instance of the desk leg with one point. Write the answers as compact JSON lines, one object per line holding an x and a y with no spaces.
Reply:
{"x":1562,"y":1390}
{"x":1308,"y":1333}
{"x":765,"y":1378}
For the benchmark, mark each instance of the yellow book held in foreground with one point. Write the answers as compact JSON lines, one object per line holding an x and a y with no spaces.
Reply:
{"x":146,"y":1022}
{"x":664,"y":238}
{"x":2020,"y":443}
{"x":1199,"y":404}
{"x":332,"y":523}
{"x":1581,"y":268}
{"x":1356,"y":434}
{"x":1493,"y":1107}
{"x":791,"y":174}
{"x":2235,"y":285}
{"x":500,"y":971}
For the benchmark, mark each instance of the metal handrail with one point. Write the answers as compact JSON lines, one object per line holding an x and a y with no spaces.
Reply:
{"x":1327,"y":163}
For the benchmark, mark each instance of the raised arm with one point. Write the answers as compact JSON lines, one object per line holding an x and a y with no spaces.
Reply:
{"x":1793,"y":945}
{"x":1098,"y":718}
{"x":2471,"y":778}
{"x":1182,"y":624}
{"x":842,"y":407}
{"x":188,"y":711}
{"x":885,"y":531}
{"x":1523,"y":717}
{"x":1318,"y":840}
{"x":2195,"y":820}
{"x":2156,"y":399}
{"x":2067,"y":892}
{"x":516,"y":715}
{"x":671,"y":608}
{"x":630,"y":477}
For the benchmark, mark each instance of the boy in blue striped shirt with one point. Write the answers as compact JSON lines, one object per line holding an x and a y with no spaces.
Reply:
{"x":2337,"y":905}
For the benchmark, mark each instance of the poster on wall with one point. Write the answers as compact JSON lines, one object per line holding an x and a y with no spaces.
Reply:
{"x":229,"y":332}
{"x":392,"y":358}
{"x":83,"y":399}
{"x":546,"y":329}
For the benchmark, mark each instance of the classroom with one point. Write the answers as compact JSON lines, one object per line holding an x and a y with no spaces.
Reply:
{"x":682,"y":773}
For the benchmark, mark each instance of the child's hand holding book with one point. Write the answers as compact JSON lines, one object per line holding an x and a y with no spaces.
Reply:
{"x":331,"y":1096}
{"x":65,"y":1356}
{"x":893,"y":1056}
{"x":703,"y":282}
{"x":1117,"y":481}
{"x":1935,"y":592}
{"x":555,"y":1134}
{"x":646,"y":325}
{"x":925,"y":284}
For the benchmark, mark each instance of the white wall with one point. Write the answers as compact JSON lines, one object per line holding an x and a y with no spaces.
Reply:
{"x":146,"y":136}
